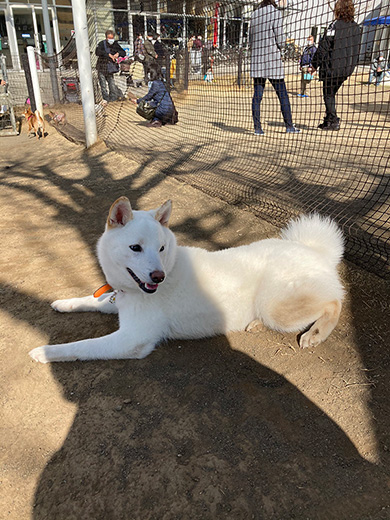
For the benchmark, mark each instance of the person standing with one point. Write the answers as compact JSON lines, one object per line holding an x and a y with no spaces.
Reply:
{"x":108,"y":51}
{"x":150,"y":53}
{"x":377,"y":70}
{"x":304,"y":64}
{"x":266,"y":40}
{"x":336,"y":57}
{"x":160,"y":50}
{"x":197,"y":53}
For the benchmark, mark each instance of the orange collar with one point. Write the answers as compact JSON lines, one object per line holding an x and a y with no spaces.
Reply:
{"x":104,"y":288}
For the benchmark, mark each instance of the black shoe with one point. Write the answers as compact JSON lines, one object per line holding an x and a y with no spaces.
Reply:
{"x":330,"y":125}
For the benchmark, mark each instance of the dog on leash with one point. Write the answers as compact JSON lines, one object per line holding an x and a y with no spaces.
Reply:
{"x":35,"y":122}
{"x":164,"y":291}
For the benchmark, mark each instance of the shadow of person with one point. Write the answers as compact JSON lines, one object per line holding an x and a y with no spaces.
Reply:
{"x":198,"y":430}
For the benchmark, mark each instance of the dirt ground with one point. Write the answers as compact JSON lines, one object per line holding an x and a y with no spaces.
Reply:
{"x":245,"y":426}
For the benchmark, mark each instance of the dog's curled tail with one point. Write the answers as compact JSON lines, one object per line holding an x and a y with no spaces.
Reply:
{"x":320,"y":233}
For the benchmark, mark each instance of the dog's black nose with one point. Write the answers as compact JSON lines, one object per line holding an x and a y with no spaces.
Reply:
{"x":157,"y":276}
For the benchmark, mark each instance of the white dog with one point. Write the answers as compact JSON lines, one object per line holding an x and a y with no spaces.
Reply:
{"x":164,"y":291}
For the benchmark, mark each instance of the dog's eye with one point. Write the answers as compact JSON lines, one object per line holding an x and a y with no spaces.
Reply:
{"x":136,"y":248}
{"x":162,"y":249}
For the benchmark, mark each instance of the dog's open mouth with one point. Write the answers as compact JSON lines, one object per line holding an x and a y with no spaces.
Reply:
{"x":146,"y":287}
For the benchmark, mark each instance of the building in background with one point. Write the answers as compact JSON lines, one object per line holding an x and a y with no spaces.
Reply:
{"x":221,"y":23}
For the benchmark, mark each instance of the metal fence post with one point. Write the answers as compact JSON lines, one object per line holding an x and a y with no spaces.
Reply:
{"x":168,"y":72}
{"x":239,"y":71}
{"x":50,"y":52}
{"x":186,"y":68}
{"x":85,"y":70}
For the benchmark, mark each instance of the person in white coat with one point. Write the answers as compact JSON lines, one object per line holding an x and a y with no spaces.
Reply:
{"x":266,"y":40}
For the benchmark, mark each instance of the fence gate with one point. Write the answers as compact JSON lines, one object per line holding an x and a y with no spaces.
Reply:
{"x":7,"y":114}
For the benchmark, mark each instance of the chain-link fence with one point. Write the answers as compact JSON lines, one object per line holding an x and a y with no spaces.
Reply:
{"x":218,"y":60}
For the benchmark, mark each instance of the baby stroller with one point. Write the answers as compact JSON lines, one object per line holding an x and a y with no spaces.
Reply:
{"x":71,"y":90}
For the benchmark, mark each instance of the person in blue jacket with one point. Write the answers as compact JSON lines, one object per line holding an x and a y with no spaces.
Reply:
{"x":159,"y":97}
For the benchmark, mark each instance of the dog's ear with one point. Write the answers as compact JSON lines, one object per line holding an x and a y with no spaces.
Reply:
{"x":120,"y":213}
{"x":163,"y":213}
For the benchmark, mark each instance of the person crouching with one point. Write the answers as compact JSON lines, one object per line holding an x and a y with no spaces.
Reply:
{"x":158,"y":97}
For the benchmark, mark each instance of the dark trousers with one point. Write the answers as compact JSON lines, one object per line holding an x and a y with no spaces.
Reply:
{"x":113,"y":92}
{"x":281,"y":91}
{"x":330,"y":88}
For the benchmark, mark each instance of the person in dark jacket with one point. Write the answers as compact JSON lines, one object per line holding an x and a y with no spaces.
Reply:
{"x":336,"y":57}
{"x":159,"y":97}
{"x":108,"y":51}
{"x":149,"y":53}
{"x":160,"y":49}
{"x":304,"y":64}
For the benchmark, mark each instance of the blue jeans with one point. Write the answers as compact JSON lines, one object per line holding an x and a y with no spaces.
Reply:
{"x":281,"y":91}
{"x":113,"y":92}
{"x":378,"y":77}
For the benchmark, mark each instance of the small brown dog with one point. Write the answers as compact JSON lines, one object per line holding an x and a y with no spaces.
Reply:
{"x":35,"y":122}
{"x":58,"y":118}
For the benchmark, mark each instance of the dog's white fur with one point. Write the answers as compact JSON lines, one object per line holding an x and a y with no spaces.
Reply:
{"x":288,"y":284}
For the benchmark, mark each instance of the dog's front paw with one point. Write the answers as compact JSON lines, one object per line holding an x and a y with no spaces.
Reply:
{"x":64,"y":305}
{"x":39,"y":354}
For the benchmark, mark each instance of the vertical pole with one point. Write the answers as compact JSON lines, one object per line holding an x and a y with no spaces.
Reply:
{"x":131,"y":33}
{"x":34,"y":78}
{"x":158,"y":19}
{"x":57,"y":41}
{"x":218,"y":29}
{"x":241,"y":40}
{"x":145,"y":26}
{"x":56,"y":36}
{"x":186,"y":68}
{"x":30,"y":88}
{"x":36,"y":36}
{"x":50,"y":52}
{"x":239,"y":70}
{"x":184,"y":25}
{"x":46,"y":24}
{"x":85,"y":70}
{"x":11,"y":33}
{"x":168,"y":72}
{"x":131,"y":28}
{"x":95,"y":22}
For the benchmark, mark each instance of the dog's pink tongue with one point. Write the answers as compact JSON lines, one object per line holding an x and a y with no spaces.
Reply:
{"x":152,"y":286}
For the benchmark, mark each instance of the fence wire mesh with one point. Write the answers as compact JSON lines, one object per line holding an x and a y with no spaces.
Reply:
{"x":220,"y":84}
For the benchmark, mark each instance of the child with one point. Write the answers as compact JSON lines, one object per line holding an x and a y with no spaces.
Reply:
{"x":209,"y":76}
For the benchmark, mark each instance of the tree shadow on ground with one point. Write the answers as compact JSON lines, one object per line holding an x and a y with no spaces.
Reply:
{"x":197,"y":429}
